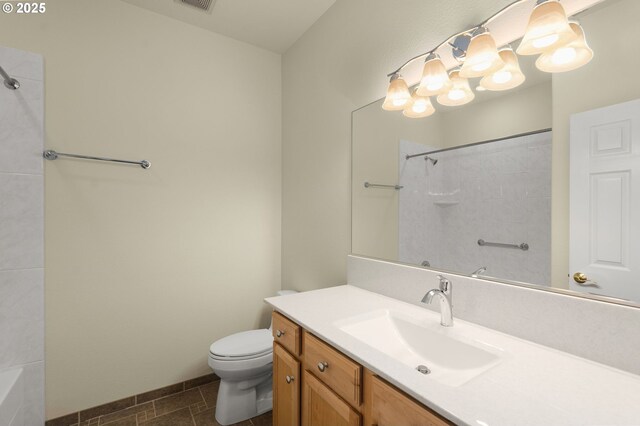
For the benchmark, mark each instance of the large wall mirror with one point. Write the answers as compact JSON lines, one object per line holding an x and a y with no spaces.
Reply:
{"x":539,"y":185}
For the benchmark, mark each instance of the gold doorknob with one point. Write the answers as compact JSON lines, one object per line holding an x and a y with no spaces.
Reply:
{"x":580,"y":278}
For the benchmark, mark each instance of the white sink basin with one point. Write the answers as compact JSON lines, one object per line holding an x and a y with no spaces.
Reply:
{"x":452,"y":357}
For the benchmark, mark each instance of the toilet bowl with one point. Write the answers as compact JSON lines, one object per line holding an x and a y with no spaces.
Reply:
{"x":244,"y":362}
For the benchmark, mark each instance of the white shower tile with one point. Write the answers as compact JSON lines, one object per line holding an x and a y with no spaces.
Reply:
{"x":21,"y":242}
{"x":21,"y":135}
{"x":21,"y":317}
{"x":20,"y":64}
{"x":34,"y":393}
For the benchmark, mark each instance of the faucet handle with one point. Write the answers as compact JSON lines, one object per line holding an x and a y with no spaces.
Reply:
{"x":445,"y":285}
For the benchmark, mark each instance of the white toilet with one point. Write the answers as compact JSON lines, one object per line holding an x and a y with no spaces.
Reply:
{"x":244,"y":361}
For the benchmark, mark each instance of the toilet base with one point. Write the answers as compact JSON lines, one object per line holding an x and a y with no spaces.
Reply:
{"x":239,"y":401}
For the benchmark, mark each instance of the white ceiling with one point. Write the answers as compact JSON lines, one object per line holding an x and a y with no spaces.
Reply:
{"x":271,"y":24}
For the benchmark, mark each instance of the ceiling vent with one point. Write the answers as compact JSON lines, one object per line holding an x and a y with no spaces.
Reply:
{"x":205,"y":5}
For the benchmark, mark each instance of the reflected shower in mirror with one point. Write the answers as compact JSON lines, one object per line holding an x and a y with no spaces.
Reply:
{"x":496,"y":193}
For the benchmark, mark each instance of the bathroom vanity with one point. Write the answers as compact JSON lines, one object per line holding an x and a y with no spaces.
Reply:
{"x":347,"y":356}
{"x":315,"y":384}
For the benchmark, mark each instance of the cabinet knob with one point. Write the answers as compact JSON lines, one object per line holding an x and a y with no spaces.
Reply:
{"x":322,"y":366}
{"x":279,"y":333}
{"x":289,"y":379}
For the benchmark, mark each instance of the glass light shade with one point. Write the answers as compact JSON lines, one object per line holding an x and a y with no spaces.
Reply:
{"x":569,"y":57}
{"x":435,"y":79}
{"x":419,"y":106}
{"x":482,"y":57}
{"x":548,"y":29}
{"x":460,"y":92}
{"x":508,"y":77}
{"x":397,"y":94}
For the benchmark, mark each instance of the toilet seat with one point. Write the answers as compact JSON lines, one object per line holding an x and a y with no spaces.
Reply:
{"x":245,"y":345}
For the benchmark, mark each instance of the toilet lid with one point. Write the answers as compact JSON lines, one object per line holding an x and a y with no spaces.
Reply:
{"x":246,"y":343}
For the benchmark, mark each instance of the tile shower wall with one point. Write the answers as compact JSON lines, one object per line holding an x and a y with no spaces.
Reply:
{"x":22,"y":227}
{"x":498,"y":192}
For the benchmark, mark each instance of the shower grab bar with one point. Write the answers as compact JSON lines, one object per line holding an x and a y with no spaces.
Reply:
{"x":523,"y":246}
{"x":377,"y":185}
{"x":9,"y":82}
{"x":53,"y":155}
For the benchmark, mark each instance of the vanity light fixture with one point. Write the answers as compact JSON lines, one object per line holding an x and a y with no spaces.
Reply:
{"x":569,"y":57}
{"x":397,"y":94}
{"x":508,"y":77}
{"x":419,"y":106}
{"x":482,"y":58}
{"x":460,"y":92}
{"x":561,"y":45}
{"x":548,"y":29}
{"x":435,"y":79}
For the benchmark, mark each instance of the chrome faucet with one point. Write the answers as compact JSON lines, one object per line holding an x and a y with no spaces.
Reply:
{"x":444,"y":297}
{"x":477,"y":272}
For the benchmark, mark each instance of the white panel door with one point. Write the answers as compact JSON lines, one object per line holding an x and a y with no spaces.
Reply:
{"x":605,"y":201}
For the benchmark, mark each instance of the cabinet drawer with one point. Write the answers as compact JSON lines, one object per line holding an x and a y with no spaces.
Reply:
{"x":387,"y":405}
{"x":340,"y":373}
{"x":287,"y":333}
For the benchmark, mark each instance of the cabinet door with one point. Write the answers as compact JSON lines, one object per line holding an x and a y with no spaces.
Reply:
{"x":322,"y":407}
{"x":286,"y":388}
{"x":387,"y":406}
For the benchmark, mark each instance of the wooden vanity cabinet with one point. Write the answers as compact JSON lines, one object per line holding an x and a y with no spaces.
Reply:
{"x":314,"y":384}
{"x":286,"y":388}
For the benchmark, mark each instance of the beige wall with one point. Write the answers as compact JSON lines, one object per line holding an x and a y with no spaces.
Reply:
{"x":145,"y":269}
{"x":517,"y":112}
{"x":609,"y":79}
{"x":376,"y":137}
{"x":339,"y":65}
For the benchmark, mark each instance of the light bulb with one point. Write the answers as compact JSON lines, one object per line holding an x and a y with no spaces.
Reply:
{"x":397,"y":94}
{"x":548,"y":29}
{"x":568,"y":57}
{"x":435,"y":79}
{"x":482,"y":56}
{"x":544,"y":42}
{"x":418,"y":107}
{"x":456,"y":94}
{"x":460,"y":92}
{"x":502,"y":77}
{"x":564,"y":55}
{"x":509,"y":77}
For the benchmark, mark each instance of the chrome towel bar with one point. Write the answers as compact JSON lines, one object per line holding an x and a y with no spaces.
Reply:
{"x":523,"y":246}
{"x":377,"y":185}
{"x":53,"y":155}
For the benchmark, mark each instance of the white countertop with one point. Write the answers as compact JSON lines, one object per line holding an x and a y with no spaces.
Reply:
{"x":532,"y":385}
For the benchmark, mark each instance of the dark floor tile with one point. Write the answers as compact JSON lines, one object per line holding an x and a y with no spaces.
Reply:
{"x":178,"y":401}
{"x":264,"y":420}
{"x":127,"y":421}
{"x":159,"y":393}
{"x":128,"y":412}
{"x":109,"y":408}
{"x":177,"y":418}
{"x":210,"y":393}
{"x":207,"y":418}
{"x":199,"y":381}
{"x":67,"y":420}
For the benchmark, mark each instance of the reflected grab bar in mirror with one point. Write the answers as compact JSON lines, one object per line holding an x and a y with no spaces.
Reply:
{"x":523,"y":246}
{"x":377,"y":185}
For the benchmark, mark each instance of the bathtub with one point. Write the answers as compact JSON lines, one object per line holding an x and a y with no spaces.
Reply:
{"x":11,"y":398}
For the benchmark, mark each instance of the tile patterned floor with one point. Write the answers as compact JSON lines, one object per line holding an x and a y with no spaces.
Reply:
{"x":193,"y":407}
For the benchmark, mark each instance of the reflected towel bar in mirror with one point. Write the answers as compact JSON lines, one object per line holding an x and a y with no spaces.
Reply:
{"x":377,"y":185}
{"x":9,"y":82}
{"x":523,"y":246}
